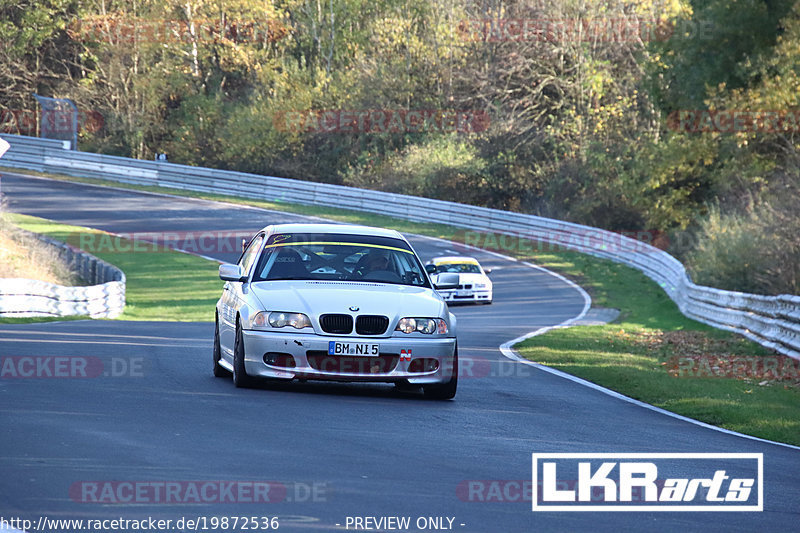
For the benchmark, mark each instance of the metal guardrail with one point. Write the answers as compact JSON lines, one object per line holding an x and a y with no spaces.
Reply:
{"x":104,"y":298}
{"x":771,"y":321}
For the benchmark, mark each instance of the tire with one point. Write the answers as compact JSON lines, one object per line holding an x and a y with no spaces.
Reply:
{"x":219,"y":370}
{"x":444,"y":391}
{"x":240,"y":378}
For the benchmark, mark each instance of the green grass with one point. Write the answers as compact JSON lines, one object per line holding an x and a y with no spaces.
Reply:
{"x":162,"y":285}
{"x":38,"y":319}
{"x":630,"y":356}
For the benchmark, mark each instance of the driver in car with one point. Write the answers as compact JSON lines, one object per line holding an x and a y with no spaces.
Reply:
{"x":373,"y":261}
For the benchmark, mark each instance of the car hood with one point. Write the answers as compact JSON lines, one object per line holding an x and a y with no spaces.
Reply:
{"x":318,"y":297}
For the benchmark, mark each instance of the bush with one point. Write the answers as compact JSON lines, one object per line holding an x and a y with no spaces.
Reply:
{"x":756,"y":252}
{"x":444,"y":167}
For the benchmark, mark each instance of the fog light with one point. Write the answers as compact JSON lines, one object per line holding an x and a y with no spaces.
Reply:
{"x":423,"y":365}
{"x":284,"y":360}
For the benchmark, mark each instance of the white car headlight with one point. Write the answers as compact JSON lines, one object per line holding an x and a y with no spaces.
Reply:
{"x":481,"y":285}
{"x":280,"y":319}
{"x":428,"y":326}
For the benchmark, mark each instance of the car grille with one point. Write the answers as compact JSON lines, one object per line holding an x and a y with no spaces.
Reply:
{"x":335,"y":323}
{"x":345,"y":364}
{"x":371,"y":324}
{"x":466,"y":286}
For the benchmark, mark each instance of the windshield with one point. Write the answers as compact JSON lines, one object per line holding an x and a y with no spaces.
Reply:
{"x":461,"y":268}
{"x":304,"y":256}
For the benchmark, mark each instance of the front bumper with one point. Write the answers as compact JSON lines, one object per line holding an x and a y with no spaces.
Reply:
{"x":467,"y":296}
{"x":309,"y":351}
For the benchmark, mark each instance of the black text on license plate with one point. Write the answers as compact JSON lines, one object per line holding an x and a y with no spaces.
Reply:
{"x":354,"y":348}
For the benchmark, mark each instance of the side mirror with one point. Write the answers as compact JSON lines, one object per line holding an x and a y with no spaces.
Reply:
{"x":487,"y":270}
{"x":430,"y":268}
{"x":229,"y":272}
{"x":446,"y":282}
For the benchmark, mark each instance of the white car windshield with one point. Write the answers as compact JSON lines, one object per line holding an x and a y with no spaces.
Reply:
{"x":461,"y":268}
{"x":339,"y":257}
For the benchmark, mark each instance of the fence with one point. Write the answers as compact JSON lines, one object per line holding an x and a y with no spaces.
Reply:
{"x":771,"y":321}
{"x":104,"y":298}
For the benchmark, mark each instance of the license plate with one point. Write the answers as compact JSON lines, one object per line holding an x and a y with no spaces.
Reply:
{"x":463,"y":293}
{"x":354,"y":348}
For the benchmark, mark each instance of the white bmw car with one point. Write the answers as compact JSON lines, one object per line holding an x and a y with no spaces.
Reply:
{"x":334,"y":302}
{"x":474,"y":284}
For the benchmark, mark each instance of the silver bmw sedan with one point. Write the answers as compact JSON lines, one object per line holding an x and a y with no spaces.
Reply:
{"x":335,"y":302}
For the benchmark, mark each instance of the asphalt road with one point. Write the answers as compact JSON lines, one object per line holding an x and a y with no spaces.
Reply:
{"x":154,"y":413}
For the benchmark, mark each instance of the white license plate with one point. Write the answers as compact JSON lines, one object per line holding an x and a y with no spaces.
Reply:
{"x":354,"y":348}
{"x":463,"y":293}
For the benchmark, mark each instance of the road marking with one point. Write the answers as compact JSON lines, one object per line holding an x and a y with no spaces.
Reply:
{"x":507,"y":347}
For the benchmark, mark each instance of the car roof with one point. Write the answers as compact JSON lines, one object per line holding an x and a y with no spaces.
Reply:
{"x":345,"y":229}
{"x":454,"y":259}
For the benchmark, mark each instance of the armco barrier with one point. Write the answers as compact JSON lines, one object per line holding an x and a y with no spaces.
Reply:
{"x":104,"y":298}
{"x":771,"y":321}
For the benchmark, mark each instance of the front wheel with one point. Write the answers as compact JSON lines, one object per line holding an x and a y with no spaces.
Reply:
{"x":444,"y":391}
{"x":240,"y":377}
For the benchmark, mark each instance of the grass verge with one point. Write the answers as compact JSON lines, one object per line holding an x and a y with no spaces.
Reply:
{"x":644,"y":354}
{"x":162,"y":285}
{"x":655,"y":354}
{"x":24,"y":256}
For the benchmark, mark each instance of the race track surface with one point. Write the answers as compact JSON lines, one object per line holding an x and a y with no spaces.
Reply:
{"x":329,"y":450}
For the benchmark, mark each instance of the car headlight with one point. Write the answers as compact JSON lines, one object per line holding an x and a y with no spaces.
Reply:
{"x":428,"y":326}
{"x":280,"y":319}
{"x":481,"y":285}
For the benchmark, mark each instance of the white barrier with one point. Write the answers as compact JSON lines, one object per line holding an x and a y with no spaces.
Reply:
{"x":771,"y":321}
{"x":31,"y":298}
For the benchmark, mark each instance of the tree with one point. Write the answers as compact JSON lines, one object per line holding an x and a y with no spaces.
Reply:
{"x":714,"y":44}
{"x":36,"y":55}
